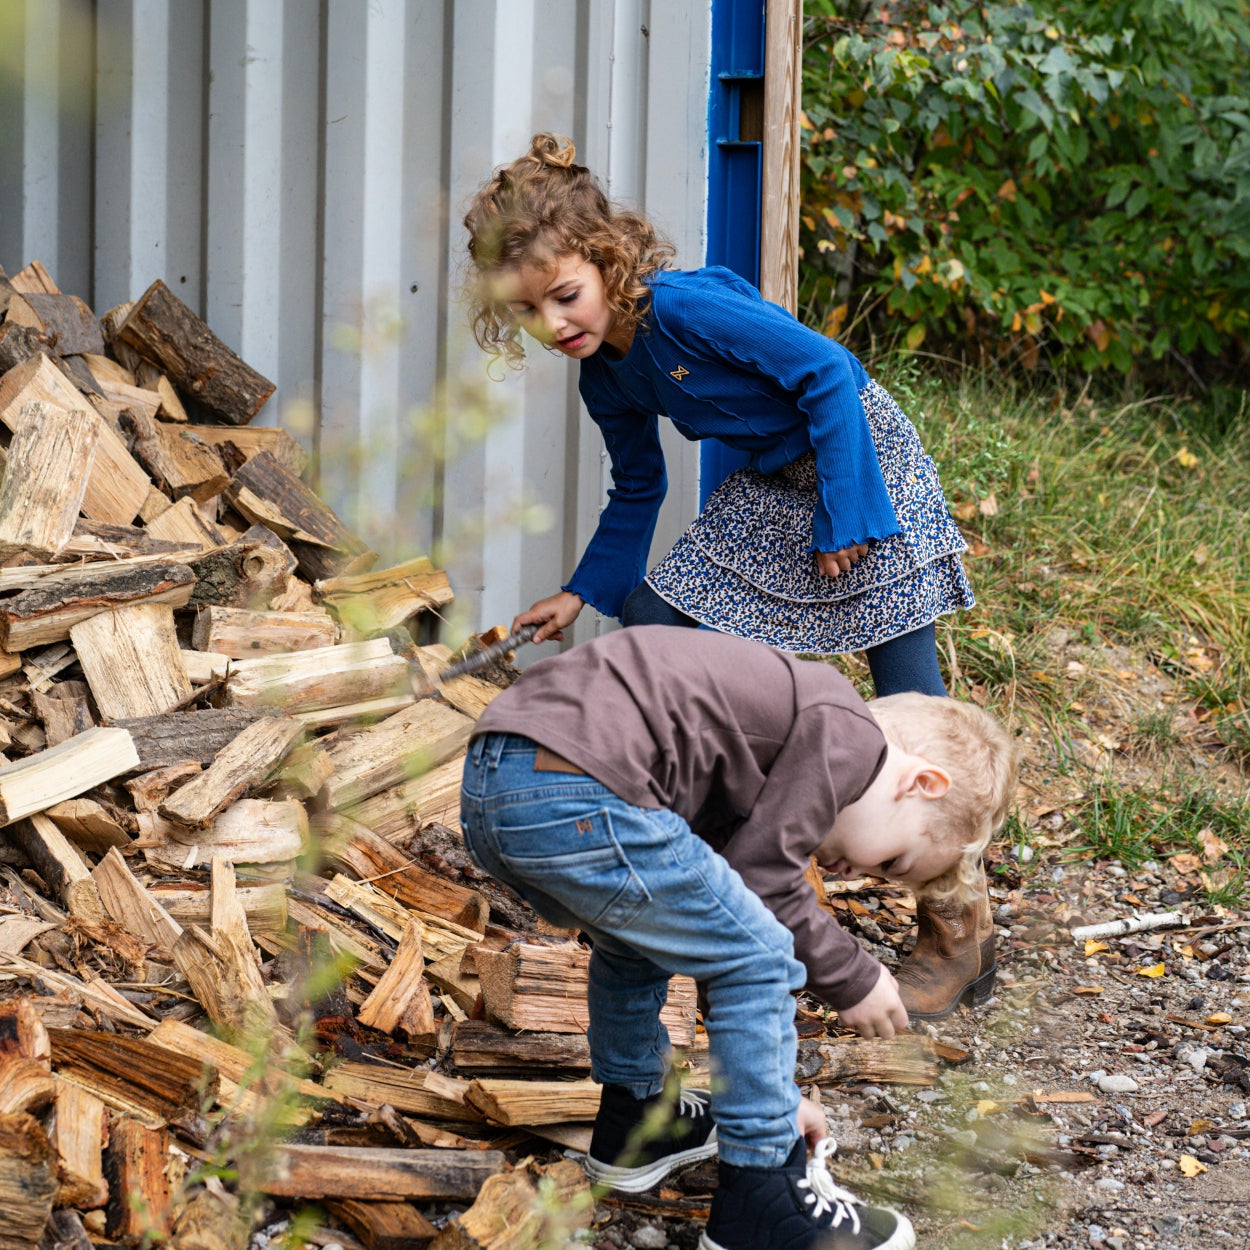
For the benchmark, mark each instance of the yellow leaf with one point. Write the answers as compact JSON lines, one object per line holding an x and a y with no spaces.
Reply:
{"x":1087,"y":991}
{"x":805,"y":121}
{"x":1220,"y":1017}
{"x":1052,"y":32}
{"x":1186,"y":458}
{"x":988,"y":505}
{"x":1183,"y":949}
{"x":987,"y":1106}
{"x":964,"y":511}
{"x":1092,"y":947}
{"x":1185,"y":863}
{"x":1047,"y":298}
{"x":915,"y":336}
{"x":1155,"y":970}
{"x":1201,"y":1126}
{"x":1099,"y":335}
{"x":1008,"y":190}
{"x":1190,"y":1166}
{"x":1213,"y":847}
{"x":836,"y":320}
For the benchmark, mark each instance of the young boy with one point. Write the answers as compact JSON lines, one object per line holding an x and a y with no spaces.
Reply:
{"x":663,"y":790}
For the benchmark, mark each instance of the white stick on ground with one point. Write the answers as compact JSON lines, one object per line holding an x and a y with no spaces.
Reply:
{"x":1133,"y":924}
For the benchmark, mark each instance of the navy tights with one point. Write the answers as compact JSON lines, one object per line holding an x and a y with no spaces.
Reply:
{"x":908,"y":662}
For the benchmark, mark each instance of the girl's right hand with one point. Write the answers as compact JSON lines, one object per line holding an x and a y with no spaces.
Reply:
{"x":831,"y":563}
{"x":552,"y":614}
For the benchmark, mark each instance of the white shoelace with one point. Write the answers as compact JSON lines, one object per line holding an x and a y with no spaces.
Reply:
{"x":825,"y":1194}
{"x":691,"y":1103}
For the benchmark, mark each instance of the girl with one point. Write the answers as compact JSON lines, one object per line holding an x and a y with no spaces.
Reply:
{"x":836,"y":539}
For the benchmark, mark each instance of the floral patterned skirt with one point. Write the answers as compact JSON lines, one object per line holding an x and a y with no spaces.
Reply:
{"x":744,"y":565}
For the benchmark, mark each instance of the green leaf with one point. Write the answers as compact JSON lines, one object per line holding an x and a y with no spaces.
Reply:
{"x":1137,"y":201}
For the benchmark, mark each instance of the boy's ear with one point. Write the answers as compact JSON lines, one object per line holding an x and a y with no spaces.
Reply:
{"x":926,"y":781}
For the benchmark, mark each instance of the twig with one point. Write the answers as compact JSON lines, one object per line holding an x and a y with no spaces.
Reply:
{"x":1131,"y":924}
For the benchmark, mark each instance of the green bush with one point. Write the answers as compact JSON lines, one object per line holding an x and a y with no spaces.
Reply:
{"x":1066,"y":181}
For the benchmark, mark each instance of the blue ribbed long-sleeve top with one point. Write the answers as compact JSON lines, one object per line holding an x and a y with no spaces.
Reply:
{"x":720,"y":361}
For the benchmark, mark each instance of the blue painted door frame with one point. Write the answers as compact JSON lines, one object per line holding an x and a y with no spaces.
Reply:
{"x":735,"y":165}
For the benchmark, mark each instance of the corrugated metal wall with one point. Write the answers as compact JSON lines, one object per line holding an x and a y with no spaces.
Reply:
{"x":296,"y":170}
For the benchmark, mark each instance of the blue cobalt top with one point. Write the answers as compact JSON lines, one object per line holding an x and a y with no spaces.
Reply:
{"x":721,"y":362}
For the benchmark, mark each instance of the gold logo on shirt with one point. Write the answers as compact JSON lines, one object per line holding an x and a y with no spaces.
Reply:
{"x":680,"y":372}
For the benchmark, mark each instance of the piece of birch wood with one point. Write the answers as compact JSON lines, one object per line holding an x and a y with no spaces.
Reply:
{"x":131,"y":660}
{"x":1131,"y":924}
{"x":63,"y":772}
{"x":45,"y":477}
{"x":247,"y":761}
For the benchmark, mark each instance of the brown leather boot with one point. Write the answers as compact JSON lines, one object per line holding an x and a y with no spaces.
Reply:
{"x":953,"y":960}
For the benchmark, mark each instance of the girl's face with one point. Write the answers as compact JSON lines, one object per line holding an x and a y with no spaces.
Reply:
{"x":563,"y":305}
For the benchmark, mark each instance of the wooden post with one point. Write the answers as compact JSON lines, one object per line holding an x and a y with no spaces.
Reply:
{"x":783,"y":84}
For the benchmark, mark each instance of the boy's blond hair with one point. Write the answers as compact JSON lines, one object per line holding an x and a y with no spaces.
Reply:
{"x":982,"y":759}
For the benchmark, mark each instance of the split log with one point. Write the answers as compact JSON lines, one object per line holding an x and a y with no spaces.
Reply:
{"x":161,"y":741}
{"x":398,"y":749}
{"x":34,"y":279}
{"x":118,"y":385}
{"x":185,"y":523}
{"x":45,"y":477}
{"x":244,"y":763}
{"x":306,"y":770}
{"x":18,"y":344}
{"x":17,"y":933}
{"x":440,"y":939}
{"x":368,"y":957}
{"x":64,"y":320}
{"x":171,"y":408}
{"x":130,"y":905}
{"x":383,"y":1225}
{"x":350,"y":713}
{"x":907,"y":1059}
{"x":211,"y":1220}
{"x":543,"y":988}
{"x":381,"y":1175}
{"x":305,"y":681}
{"x":457,"y":986}
{"x":162,"y":329}
{"x":117,"y":485}
{"x":180,"y":463}
{"x":371,"y":603}
{"x":149,"y":790}
{"x":132,"y":1074}
{"x":268,"y":494}
{"x":535,"y":1102}
{"x":25,"y":1085}
{"x":469,"y":694}
{"x":246,"y":574}
{"x":22,"y":1030}
{"x":60,"y":866}
{"x":205,"y":667}
{"x":135,"y":1165}
{"x":63,"y":772}
{"x":238,"y":444}
{"x":240,"y":634}
{"x":89,"y":825}
{"x":508,"y":1213}
{"x":47,"y":612}
{"x":432,"y":798}
{"x":479,"y":1046}
{"x":370,"y":857}
{"x":413,"y":1091}
{"x":76,"y":1130}
{"x":131,"y":660}
{"x":28,"y":1181}
{"x":187,"y":904}
{"x":65,"y":710}
{"x":96,"y":540}
{"x":222,"y":967}
{"x":155,"y":504}
{"x":251,"y":831}
{"x":401,"y":995}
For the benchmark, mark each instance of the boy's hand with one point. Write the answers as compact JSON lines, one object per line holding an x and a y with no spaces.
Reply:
{"x":812,"y":1124}
{"x":880,"y":1013}
{"x":831,"y":563}
{"x":552,"y":614}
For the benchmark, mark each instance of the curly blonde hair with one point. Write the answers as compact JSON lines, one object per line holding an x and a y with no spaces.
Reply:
{"x":543,"y":206}
{"x":982,"y":759}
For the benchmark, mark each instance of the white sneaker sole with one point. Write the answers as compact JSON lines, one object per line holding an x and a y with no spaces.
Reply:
{"x":903,"y":1237}
{"x":639,"y":1180}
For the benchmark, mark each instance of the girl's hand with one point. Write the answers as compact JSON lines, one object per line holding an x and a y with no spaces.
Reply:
{"x":812,"y":1124}
{"x":880,"y":1013}
{"x":553,"y":614}
{"x":831,"y":563}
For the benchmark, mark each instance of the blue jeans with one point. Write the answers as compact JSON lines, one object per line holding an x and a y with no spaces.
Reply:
{"x":656,"y":902}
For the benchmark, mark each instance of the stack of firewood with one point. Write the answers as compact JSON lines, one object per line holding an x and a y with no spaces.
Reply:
{"x":216,"y":783}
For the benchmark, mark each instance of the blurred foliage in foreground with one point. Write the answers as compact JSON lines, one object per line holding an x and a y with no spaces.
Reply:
{"x":1064,"y":183}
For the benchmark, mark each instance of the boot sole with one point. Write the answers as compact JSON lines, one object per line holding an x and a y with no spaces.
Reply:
{"x":902,"y":1238}
{"x":639,"y":1180}
{"x":974,"y":994}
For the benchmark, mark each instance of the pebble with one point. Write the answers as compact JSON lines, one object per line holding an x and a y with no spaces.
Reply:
{"x":648,"y":1237}
{"x":1197,"y":1059}
{"x":1237,"y":1111}
{"x":1117,"y":1084}
{"x":1115,"y":1243}
{"x":1110,"y":1184}
{"x":1096,"y":1233}
{"x":966,"y":1137}
{"x":930,"y":1095}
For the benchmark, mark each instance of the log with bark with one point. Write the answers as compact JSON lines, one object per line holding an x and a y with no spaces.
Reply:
{"x":240,"y":633}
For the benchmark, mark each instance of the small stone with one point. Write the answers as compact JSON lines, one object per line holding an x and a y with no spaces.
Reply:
{"x":1217,"y":1144}
{"x":1237,"y":1111}
{"x":1117,"y":870}
{"x":872,"y":1091}
{"x":1115,"y":1243}
{"x":1168,"y":1225}
{"x":1096,"y":1233}
{"x":1117,"y":1084}
{"x":648,"y":1237}
{"x":1198,"y":1060}
{"x":1110,"y":1184}
{"x":1008,"y":1079}
{"x":933,"y":1095}
{"x":965,"y":1137}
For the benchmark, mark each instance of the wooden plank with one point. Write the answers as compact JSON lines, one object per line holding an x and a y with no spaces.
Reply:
{"x":63,"y":772}
{"x":381,"y":1175}
{"x":131,"y":660}
{"x":268,"y":494}
{"x":247,"y":761}
{"x":47,"y":612}
{"x":45,"y":477}
{"x":117,"y":485}
{"x":184,"y":522}
{"x":165,"y":331}
{"x":394,"y":751}
{"x":242,"y":634}
{"x":779,"y":227}
{"x":28,"y":1180}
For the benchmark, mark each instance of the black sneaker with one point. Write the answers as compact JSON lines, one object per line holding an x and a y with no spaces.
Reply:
{"x":637,"y":1142}
{"x":798,"y":1207}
